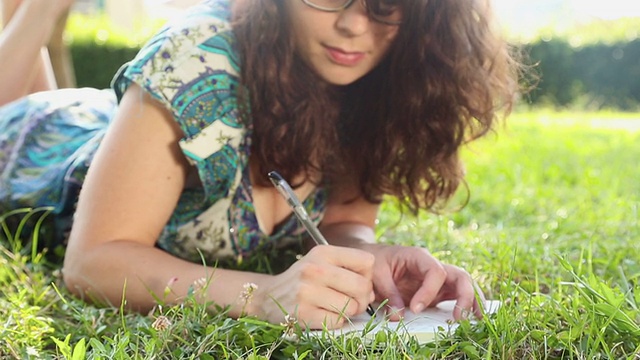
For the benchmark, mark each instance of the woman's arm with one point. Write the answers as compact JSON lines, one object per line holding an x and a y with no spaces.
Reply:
{"x":131,"y":189}
{"x":130,"y":192}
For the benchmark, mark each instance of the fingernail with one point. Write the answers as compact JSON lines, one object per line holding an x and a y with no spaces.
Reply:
{"x":418,"y":308}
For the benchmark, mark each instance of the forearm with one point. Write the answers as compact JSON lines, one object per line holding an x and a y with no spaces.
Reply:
{"x":134,"y":271}
{"x":349,"y":234}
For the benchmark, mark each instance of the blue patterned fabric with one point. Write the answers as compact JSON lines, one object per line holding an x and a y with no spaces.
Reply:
{"x":191,"y":67}
{"x":47,"y":141}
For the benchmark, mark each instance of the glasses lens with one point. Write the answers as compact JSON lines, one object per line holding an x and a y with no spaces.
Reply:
{"x":384,"y":11}
{"x":328,"y":5}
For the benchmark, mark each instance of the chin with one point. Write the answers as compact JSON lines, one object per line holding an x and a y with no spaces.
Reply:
{"x":340,"y":78}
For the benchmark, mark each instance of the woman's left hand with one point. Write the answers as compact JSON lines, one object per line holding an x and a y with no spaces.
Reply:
{"x":412,"y":277}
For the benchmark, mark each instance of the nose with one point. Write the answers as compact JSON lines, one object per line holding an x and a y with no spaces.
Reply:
{"x":354,"y":20}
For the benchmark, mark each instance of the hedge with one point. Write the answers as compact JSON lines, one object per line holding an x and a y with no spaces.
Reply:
{"x":95,"y":65}
{"x":595,"y":76}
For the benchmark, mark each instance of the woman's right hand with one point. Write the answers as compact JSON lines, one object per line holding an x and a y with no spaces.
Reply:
{"x":324,"y":288}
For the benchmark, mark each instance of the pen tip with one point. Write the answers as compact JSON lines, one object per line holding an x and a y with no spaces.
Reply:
{"x":274,"y":175}
{"x":370,"y":310}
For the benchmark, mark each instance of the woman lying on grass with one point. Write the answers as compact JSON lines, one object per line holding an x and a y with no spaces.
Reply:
{"x":349,"y":100}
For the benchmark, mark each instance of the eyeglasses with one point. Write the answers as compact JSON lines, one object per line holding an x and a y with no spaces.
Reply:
{"x":382,"y":11}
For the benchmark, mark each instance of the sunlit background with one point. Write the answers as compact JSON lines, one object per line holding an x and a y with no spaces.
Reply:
{"x":523,"y":19}
{"x":586,"y":52}
{"x":526,"y":17}
{"x":514,"y":11}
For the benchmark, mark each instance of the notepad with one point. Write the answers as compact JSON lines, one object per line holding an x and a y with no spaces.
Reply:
{"x":424,"y":326}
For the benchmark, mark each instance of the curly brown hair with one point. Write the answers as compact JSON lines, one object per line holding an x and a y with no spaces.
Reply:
{"x":397,"y":130}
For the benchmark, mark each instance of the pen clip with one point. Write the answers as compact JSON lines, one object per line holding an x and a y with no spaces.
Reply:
{"x":298,"y":210}
{"x":283,"y":188}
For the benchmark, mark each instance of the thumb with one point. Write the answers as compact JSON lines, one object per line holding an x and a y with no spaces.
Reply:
{"x":386,"y":289}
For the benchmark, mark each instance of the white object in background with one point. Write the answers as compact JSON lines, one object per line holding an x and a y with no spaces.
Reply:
{"x":174,"y":3}
{"x":126,"y":13}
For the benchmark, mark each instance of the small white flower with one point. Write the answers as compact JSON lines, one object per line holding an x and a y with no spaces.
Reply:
{"x":31,"y":351}
{"x":290,"y":335}
{"x":289,"y":324}
{"x":162,"y":323}
{"x":247,"y":293}
{"x":199,"y":284}
{"x":289,"y":321}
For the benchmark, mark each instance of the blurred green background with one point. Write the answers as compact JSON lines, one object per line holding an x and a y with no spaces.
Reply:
{"x":587,"y":63}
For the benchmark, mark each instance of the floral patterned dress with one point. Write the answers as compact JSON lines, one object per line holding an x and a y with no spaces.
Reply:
{"x":191,"y":66}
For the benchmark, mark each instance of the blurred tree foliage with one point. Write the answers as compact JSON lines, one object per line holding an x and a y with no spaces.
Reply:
{"x":594,"y":76}
{"x":96,"y":65}
{"x":98,"y":48}
{"x":593,"y":66}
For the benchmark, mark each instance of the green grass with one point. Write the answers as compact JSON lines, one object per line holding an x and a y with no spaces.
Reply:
{"x":551,"y":229}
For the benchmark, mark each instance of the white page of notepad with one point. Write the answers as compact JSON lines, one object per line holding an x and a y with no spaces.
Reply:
{"x":424,"y":326}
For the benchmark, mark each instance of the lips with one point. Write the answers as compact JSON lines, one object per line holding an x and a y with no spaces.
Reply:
{"x":342,"y":57}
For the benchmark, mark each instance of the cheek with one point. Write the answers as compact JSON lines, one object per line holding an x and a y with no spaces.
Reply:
{"x":303,"y":32}
{"x":385,"y":37}
{"x":391,"y":35}
{"x":305,"y":21}
{"x":303,"y":45}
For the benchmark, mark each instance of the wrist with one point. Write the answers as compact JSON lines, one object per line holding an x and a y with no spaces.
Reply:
{"x":353,"y":235}
{"x":242,"y":292}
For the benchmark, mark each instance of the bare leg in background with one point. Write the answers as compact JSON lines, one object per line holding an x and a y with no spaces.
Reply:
{"x":25,"y":66}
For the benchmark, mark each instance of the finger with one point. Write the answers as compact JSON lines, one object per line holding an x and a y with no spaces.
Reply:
{"x":434,"y":277}
{"x":480,"y":302}
{"x":323,"y":319}
{"x":349,"y":285}
{"x":311,"y":305}
{"x":331,"y":320}
{"x":315,"y":318}
{"x":386,"y":289}
{"x":355,"y":260}
{"x":461,"y":289}
{"x":334,"y":302}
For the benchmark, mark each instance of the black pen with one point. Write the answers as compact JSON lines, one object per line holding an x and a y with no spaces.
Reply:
{"x":285,"y":190}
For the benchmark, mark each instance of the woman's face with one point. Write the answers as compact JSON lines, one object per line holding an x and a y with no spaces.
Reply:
{"x":341,"y":47}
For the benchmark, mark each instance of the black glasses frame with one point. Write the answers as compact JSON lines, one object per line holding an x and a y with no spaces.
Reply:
{"x":346,"y":4}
